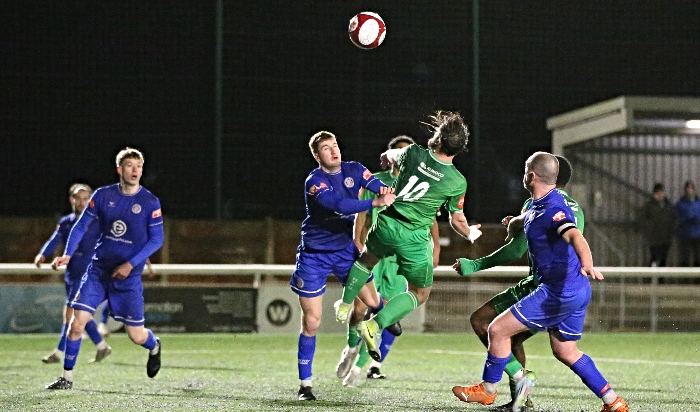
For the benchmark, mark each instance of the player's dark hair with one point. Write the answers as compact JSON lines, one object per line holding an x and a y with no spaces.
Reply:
{"x":450,"y":133}
{"x":129,"y":153}
{"x":565,"y":171}
{"x":317,"y":138}
{"x":398,"y":140}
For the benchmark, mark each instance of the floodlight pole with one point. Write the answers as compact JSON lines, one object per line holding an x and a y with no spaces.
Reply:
{"x":218,"y":116}
{"x":475,"y":134}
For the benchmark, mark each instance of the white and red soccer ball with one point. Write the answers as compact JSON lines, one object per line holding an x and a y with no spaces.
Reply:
{"x":367,"y":30}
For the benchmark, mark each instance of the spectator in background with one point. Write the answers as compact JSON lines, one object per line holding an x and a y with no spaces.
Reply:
{"x":688,"y":209}
{"x":657,"y":220}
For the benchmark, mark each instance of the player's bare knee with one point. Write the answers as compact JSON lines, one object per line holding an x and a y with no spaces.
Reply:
{"x":497,"y":331}
{"x":310,"y":324}
{"x":137,"y":334}
{"x":479,"y":324}
{"x":76,"y":329}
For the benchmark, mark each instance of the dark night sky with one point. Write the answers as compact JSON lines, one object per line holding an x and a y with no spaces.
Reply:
{"x":79,"y":82}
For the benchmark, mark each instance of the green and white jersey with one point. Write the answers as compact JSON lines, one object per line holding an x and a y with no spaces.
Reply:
{"x":424,"y":184}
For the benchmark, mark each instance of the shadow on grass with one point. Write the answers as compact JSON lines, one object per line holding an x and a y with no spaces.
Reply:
{"x":165,"y":366}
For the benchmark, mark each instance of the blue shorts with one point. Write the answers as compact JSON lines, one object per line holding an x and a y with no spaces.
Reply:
{"x":313,"y":268}
{"x":72,"y":288}
{"x":543,"y":310}
{"x":124,"y":296}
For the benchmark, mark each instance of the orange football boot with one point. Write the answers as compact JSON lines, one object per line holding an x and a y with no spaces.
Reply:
{"x":619,"y":405}
{"x":474,"y":393}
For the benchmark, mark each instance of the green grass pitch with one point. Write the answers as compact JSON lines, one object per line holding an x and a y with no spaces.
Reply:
{"x":227,"y":372}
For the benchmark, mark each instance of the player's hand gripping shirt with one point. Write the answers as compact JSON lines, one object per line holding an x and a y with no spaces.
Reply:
{"x":131,"y":226}
{"x":554,"y":261}
{"x":331,"y":204}
{"x":424,"y":184}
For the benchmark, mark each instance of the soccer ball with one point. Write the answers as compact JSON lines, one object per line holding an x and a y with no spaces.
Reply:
{"x":367,"y":30}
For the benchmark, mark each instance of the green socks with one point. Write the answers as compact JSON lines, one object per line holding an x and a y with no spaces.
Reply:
{"x":359,"y":273}
{"x":395,"y":310}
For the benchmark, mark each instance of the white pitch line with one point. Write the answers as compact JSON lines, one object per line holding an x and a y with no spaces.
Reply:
{"x":597,"y":359}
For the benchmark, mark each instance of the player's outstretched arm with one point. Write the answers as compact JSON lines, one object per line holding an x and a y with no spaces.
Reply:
{"x":388,"y":158}
{"x":580,"y":245}
{"x":508,"y":253}
{"x":386,"y":199}
{"x":460,"y":225}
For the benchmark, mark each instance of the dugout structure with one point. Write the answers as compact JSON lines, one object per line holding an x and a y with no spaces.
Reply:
{"x":619,"y":148}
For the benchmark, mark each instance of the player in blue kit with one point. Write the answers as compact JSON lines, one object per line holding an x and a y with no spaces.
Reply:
{"x":131,"y":229}
{"x":79,"y":195}
{"x":327,"y":246}
{"x":562,"y":262}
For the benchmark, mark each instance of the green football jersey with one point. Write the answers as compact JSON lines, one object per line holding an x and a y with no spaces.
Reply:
{"x":386,"y":177}
{"x":424,"y":184}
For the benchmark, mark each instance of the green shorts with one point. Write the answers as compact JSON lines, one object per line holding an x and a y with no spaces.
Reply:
{"x":413,"y":249}
{"x":386,"y":279}
{"x":509,"y":297}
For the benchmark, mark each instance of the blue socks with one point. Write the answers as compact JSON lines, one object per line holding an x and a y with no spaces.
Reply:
{"x":386,"y":342}
{"x":62,"y":340}
{"x":72,"y":350}
{"x":591,"y":377}
{"x":305,"y":355}
{"x":91,"y":330}
{"x":150,"y":343}
{"x":493,"y":368}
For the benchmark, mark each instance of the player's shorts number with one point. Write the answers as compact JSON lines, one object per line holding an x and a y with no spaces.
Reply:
{"x":409,"y":193}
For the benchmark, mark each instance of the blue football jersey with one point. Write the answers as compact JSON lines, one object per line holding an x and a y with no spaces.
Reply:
{"x":324,"y":228}
{"x":127,"y":223}
{"x":82,"y":255}
{"x":554,"y":261}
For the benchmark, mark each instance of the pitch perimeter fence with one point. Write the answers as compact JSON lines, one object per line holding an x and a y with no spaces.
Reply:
{"x":257,"y":298}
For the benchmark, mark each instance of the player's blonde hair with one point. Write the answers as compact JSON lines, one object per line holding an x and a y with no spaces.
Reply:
{"x":76,"y":187}
{"x":317,"y":138}
{"x":129,"y":153}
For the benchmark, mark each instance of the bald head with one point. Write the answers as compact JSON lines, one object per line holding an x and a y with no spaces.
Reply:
{"x":545,"y":165}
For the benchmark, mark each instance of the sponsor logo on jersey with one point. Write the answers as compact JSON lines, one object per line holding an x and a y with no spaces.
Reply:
{"x":92,"y":204}
{"x":118,"y":228}
{"x":559,"y":216}
{"x":111,"y":204}
{"x":430,"y":172}
{"x":366,"y":174}
{"x":136,"y":209}
{"x":348,"y":182}
{"x":460,"y":204}
{"x":157,"y":213}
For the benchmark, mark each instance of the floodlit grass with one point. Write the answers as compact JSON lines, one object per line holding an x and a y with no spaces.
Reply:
{"x":221,"y":372}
